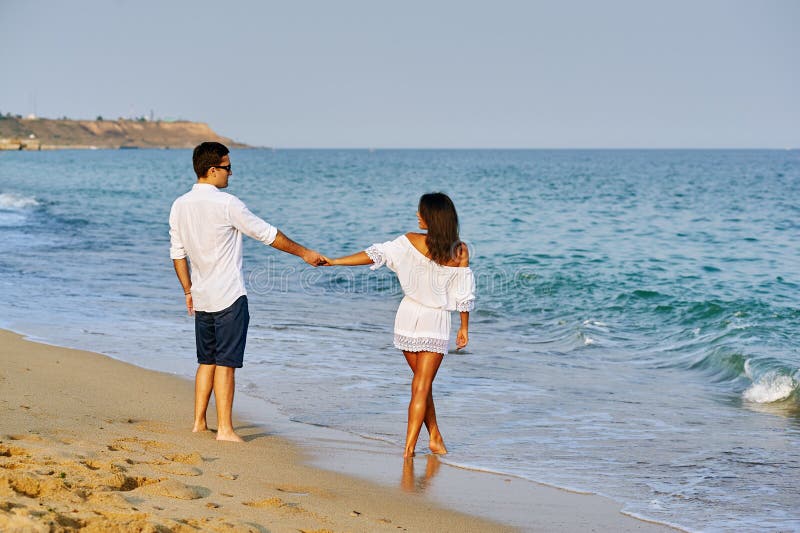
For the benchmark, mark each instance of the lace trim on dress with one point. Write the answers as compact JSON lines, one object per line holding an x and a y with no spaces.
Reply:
{"x":466,"y":307}
{"x":377,"y":256}
{"x":420,"y":344}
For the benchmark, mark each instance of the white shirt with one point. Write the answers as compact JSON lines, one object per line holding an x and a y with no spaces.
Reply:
{"x":206,"y":225}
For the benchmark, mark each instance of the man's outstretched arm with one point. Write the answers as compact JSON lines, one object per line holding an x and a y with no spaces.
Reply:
{"x":263,"y":231}
{"x":285,"y":244}
{"x":182,"y":270}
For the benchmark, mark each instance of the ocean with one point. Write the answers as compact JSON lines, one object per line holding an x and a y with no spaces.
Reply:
{"x":636,"y":330}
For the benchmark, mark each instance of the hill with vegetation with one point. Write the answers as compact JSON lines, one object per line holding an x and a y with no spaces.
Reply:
{"x":17,"y":133}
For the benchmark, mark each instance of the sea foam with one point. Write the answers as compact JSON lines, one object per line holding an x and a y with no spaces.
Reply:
{"x":771,"y":387}
{"x":16,"y":201}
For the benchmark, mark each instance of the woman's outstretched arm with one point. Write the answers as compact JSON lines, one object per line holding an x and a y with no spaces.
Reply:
{"x":361,"y":258}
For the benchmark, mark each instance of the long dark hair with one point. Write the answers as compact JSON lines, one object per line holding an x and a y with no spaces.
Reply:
{"x":439,"y":214}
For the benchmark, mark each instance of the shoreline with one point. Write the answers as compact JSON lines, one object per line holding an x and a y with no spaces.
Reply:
{"x":287,"y":476}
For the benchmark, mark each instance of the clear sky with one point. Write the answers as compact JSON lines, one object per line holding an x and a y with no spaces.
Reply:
{"x":435,"y":73}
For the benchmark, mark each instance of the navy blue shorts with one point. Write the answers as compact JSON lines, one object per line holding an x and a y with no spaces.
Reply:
{"x":221,"y":335}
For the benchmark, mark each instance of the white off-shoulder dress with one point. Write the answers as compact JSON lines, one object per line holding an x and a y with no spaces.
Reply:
{"x":431,"y":291}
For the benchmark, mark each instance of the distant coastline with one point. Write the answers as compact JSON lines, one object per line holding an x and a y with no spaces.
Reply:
{"x":18,"y":133}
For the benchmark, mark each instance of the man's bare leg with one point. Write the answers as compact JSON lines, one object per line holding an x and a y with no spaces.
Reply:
{"x":203,"y":384}
{"x":224,"y":385}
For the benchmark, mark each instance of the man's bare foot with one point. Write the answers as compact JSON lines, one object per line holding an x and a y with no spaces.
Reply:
{"x":199,"y":426}
{"x":409,"y":453}
{"x":229,"y":436}
{"x":437,"y":446}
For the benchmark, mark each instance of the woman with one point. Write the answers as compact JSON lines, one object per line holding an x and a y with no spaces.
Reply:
{"x":433,"y":270}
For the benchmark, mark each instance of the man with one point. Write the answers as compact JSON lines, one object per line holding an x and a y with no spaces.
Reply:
{"x":206,"y":225}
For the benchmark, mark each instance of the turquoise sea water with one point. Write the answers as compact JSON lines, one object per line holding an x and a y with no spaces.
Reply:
{"x":636,"y":332}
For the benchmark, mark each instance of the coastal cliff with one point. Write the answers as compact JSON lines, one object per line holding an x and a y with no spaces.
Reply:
{"x":50,"y":134}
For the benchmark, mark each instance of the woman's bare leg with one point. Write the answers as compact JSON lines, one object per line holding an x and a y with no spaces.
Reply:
{"x":426,"y":367}
{"x":436,"y":441}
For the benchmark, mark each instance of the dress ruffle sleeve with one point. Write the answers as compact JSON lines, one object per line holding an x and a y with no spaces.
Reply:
{"x":387,"y":253}
{"x":465,"y":290}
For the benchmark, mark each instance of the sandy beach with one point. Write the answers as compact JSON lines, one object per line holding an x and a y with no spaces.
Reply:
{"x":91,"y":443}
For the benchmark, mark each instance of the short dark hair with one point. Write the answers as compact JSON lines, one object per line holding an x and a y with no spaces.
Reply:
{"x":207,"y":155}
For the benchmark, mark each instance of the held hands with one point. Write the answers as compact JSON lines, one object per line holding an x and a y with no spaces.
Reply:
{"x":462,"y":338}
{"x":315,"y":259}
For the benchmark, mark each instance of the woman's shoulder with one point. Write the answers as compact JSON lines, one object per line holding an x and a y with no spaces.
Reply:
{"x":460,"y":257}
{"x":415,"y":237}
{"x":415,"y":241}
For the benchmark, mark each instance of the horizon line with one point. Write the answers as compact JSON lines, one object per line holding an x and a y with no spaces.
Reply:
{"x":512,"y":148}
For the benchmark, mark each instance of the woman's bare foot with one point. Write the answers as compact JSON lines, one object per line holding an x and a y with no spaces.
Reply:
{"x":229,"y":436}
{"x":199,"y":426}
{"x":437,"y":446}
{"x":409,"y":453}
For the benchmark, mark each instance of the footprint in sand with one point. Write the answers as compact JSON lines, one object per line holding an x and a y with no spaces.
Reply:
{"x":220,"y":525}
{"x":107,"y":500}
{"x":150,"y":426}
{"x":192,"y":458}
{"x":294,"y":490}
{"x":136,"y":445}
{"x":32,"y":437}
{"x":175,"y":489}
{"x":12,"y":451}
{"x":124,"y":483}
{"x":276,"y":503}
{"x":177,"y":468}
{"x":21,"y":522}
{"x":94,"y":465}
{"x":104,"y":475}
{"x":24,"y":484}
{"x":269,"y":502}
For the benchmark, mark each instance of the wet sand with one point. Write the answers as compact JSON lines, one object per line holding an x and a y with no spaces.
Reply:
{"x":91,"y":443}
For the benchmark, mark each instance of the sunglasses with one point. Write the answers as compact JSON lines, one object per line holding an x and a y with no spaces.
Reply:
{"x":226,"y":167}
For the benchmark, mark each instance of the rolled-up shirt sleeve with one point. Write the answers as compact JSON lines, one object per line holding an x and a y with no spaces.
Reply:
{"x":176,"y":249}
{"x":242,"y":219}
